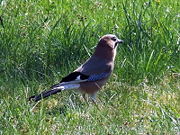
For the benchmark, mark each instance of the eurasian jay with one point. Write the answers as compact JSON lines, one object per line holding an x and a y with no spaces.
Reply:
{"x":93,"y":74}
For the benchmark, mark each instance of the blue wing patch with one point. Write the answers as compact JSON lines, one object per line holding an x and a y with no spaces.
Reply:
{"x":97,"y":77}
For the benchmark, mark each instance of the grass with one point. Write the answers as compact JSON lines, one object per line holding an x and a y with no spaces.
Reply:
{"x":41,"y":41}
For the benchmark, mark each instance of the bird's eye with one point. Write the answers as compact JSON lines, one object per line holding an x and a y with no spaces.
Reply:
{"x":113,"y":38}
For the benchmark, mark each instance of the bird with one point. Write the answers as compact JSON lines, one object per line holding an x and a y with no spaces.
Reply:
{"x":90,"y":76}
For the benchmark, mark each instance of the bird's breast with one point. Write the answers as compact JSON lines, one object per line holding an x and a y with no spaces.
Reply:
{"x":91,"y":87}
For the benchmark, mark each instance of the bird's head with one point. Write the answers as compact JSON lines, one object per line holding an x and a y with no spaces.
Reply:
{"x":106,"y":47}
{"x":111,"y":41}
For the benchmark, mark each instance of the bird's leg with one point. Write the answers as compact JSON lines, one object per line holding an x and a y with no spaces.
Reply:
{"x":85,"y":97}
{"x":93,"y":98}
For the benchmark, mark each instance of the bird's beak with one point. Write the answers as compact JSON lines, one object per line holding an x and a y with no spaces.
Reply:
{"x":119,"y":41}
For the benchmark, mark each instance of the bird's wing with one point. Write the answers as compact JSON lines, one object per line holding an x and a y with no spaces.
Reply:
{"x":96,"y":65}
{"x":78,"y":77}
{"x":96,"y":77}
{"x":93,"y":69}
{"x":72,"y":78}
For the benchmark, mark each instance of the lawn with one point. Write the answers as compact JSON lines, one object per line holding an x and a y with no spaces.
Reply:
{"x":43,"y":40}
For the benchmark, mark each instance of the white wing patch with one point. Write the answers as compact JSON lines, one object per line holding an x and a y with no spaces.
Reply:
{"x":78,"y":78}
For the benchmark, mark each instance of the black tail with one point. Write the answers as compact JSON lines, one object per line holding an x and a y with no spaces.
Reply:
{"x":44,"y":94}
